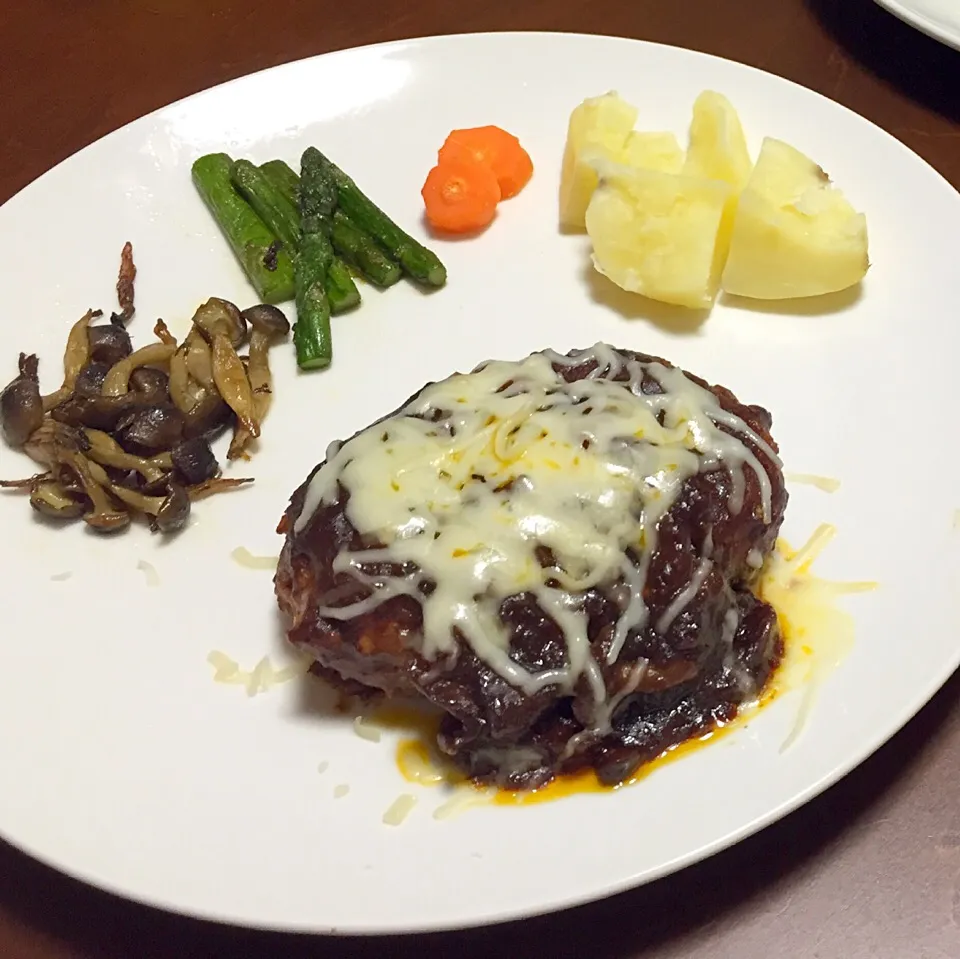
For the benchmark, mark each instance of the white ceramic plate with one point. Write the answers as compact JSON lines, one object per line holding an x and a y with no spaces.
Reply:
{"x":937,"y":18}
{"x":125,"y":765}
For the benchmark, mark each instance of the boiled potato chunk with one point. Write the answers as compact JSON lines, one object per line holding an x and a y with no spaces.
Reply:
{"x":660,"y":234}
{"x":598,"y":128}
{"x":794,"y":233}
{"x":652,"y":151}
{"x":718,"y":148}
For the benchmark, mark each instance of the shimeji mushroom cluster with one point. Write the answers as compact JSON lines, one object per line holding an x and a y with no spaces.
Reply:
{"x":129,"y":431}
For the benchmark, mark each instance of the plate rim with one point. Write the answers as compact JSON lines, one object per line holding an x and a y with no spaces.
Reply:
{"x":610,"y":888}
{"x":922,"y":22}
{"x":432,"y":38}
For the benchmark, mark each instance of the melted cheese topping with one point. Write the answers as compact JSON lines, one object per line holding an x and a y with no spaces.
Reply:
{"x":818,"y":633}
{"x":243,"y":557}
{"x":464,"y":797}
{"x":480,"y":473}
{"x":399,"y":809}
{"x":827,"y":484}
{"x":150,"y":572}
{"x":261,"y":678}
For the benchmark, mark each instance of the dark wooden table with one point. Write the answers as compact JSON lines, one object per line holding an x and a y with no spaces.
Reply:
{"x":871,"y":870}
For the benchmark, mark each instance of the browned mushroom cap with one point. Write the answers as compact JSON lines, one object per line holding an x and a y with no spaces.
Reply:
{"x":99,"y":412}
{"x":220,"y":316}
{"x":107,"y":520}
{"x":109,"y":342}
{"x":194,"y":461}
{"x":267,"y":320}
{"x":174,"y":511}
{"x":151,"y":382}
{"x":118,"y":379}
{"x":39,"y":447}
{"x":150,"y":430}
{"x":53,"y":501}
{"x":90,"y":380}
{"x":21,"y":407}
{"x":208,"y":416}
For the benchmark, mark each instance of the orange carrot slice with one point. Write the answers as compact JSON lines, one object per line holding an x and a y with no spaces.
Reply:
{"x":460,"y":195}
{"x":496,"y":148}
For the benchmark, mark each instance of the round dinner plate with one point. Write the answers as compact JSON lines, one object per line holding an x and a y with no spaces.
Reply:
{"x":937,"y":18}
{"x":124,"y":764}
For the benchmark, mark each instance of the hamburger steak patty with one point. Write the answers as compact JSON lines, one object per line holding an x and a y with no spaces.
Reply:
{"x":558,"y":553}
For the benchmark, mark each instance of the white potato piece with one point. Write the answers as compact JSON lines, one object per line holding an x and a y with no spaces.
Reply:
{"x":794,"y":234}
{"x":652,"y":151}
{"x":598,"y":129}
{"x":660,"y":234}
{"x":718,"y":147}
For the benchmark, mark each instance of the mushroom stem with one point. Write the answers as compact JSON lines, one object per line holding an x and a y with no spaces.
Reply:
{"x":104,"y":449}
{"x":27,"y":483}
{"x":268,"y":325}
{"x":261,"y":384}
{"x":117,"y":380}
{"x":76,"y":355}
{"x":163,"y":334}
{"x":104,"y":516}
{"x":146,"y":504}
{"x":199,"y":361}
{"x":179,"y":382}
{"x":219,"y":484}
{"x":233,"y":383}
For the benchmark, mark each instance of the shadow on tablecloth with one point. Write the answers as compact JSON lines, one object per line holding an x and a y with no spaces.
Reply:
{"x":917,"y":65}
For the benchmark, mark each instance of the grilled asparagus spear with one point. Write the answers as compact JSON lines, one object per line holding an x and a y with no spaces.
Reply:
{"x":280,"y":214}
{"x":359,"y":249}
{"x":318,"y":199}
{"x":269,"y":270}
